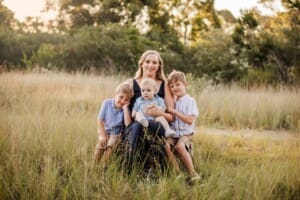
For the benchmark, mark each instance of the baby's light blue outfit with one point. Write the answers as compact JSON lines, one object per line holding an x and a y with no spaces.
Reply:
{"x":142,"y":103}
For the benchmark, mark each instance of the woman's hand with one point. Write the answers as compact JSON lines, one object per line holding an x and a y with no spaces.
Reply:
{"x":171,"y":110}
{"x":153,"y":111}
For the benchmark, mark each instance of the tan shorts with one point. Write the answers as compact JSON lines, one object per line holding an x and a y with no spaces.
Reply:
{"x":112,"y":140}
{"x":187,"y":140}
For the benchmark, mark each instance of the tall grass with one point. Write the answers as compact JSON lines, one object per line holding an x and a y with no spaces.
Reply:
{"x":48,"y":134}
{"x":258,"y":108}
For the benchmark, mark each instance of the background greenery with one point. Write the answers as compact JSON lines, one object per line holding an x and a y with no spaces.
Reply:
{"x":108,"y":36}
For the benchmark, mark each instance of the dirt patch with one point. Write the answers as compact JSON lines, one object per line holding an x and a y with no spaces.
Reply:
{"x":272,"y":134}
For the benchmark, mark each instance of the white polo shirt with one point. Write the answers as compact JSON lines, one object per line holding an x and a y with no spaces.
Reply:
{"x":187,"y":106}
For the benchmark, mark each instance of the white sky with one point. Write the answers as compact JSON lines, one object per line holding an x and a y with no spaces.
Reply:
{"x":237,"y":5}
{"x":24,"y":8}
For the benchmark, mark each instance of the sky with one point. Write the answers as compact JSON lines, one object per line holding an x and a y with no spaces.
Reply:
{"x":23,"y":8}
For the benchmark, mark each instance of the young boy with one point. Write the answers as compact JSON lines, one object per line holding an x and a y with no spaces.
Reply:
{"x":114,"y":113}
{"x":149,"y":98}
{"x":185,"y":115}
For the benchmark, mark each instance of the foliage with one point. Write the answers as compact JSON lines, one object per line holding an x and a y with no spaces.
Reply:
{"x":273,"y":43}
{"x":216,"y":59}
{"x":110,"y":35}
{"x":6,"y":16}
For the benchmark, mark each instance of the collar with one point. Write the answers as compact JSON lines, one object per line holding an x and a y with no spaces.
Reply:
{"x":154,"y":97}
{"x":184,"y":97}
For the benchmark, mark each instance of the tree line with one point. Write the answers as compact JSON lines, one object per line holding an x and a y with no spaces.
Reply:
{"x":108,"y":36}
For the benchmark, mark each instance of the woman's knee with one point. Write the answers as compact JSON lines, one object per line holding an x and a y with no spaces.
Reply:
{"x":134,"y":130}
{"x":156,"y":128}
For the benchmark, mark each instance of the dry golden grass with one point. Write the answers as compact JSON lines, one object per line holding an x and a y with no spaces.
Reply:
{"x":257,"y":108}
{"x":48,"y":134}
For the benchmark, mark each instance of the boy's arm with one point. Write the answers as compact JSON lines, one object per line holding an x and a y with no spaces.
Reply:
{"x":127,"y":117}
{"x":101,"y":132}
{"x":189,"y":119}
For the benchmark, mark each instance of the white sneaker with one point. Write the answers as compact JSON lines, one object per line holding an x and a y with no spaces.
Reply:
{"x":170,"y":133}
{"x":193,"y":179}
{"x":144,"y":122}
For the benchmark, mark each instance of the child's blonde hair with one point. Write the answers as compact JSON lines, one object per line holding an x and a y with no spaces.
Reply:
{"x":176,"y":76}
{"x":125,"y":89}
{"x":149,"y":81}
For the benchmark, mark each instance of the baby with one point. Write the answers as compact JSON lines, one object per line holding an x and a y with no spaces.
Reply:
{"x":150,"y":98}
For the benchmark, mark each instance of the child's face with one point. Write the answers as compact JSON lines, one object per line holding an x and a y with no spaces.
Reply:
{"x":121,"y":99}
{"x":178,"y":88}
{"x":148,"y":91}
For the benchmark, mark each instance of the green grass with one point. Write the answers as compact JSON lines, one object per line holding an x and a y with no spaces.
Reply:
{"x":48,"y":134}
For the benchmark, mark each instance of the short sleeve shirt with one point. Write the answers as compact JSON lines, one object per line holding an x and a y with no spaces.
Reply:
{"x":187,"y":106}
{"x":112,"y":117}
{"x":141,"y":104}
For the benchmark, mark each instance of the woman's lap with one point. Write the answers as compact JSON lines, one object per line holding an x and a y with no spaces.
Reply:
{"x":141,"y":144}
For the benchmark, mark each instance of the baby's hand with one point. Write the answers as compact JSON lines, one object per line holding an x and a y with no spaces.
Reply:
{"x":147,"y":108}
{"x":150,"y":106}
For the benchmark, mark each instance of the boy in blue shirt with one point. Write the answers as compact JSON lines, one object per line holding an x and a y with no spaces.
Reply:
{"x":114,"y":113}
{"x":185,"y":114}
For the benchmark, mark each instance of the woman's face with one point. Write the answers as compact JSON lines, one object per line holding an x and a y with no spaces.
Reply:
{"x":150,"y":66}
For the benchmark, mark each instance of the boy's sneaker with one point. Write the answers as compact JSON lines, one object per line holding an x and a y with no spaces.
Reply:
{"x":170,"y":133}
{"x":193,"y":179}
{"x":144,"y":122}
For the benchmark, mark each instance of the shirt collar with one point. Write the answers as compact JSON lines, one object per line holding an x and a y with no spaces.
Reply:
{"x":184,"y":97}
{"x":154,"y":97}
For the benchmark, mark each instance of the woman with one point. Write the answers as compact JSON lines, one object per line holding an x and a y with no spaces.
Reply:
{"x":139,"y":143}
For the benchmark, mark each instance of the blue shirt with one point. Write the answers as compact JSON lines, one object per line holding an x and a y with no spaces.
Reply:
{"x":187,"y":106}
{"x":112,"y":117}
{"x":141,"y":103}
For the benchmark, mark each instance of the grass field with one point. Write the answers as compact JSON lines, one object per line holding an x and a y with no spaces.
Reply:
{"x":48,"y":134}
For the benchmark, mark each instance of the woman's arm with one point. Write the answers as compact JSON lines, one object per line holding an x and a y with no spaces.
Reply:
{"x":170,"y":102}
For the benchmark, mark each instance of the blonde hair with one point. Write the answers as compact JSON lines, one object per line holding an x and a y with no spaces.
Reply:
{"x":160,"y":75}
{"x":149,"y":81}
{"x":125,"y":89}
{"x":176,"y":76}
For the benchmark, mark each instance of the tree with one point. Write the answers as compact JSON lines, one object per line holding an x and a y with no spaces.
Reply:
{"x":6,"y":16}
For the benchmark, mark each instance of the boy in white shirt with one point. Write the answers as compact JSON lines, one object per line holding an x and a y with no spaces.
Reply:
{"x":185,"y":114}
